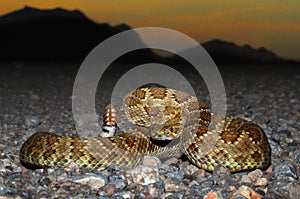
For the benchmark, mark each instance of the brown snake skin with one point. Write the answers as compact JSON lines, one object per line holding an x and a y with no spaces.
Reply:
{"x":158,"y":113}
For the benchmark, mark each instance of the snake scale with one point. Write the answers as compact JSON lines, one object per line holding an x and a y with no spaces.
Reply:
{"x":158,"y":114}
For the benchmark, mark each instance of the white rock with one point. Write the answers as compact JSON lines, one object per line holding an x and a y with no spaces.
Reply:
{"x":93,"y":180}
{"x":151,"y":161}
{"x":144,"y":175}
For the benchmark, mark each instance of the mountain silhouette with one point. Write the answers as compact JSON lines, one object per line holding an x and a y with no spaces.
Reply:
{"x":228,"y":53}
{"x":59,"y":35}
{"x":55,"y":35}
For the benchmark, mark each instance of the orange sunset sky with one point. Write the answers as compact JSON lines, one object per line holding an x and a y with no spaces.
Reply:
{"x":274,"y":24}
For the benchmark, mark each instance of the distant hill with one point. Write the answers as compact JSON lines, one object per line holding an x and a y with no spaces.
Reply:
{"x":55,"y":35}
{"x":228,"y":53}
{"x":59,"y":35}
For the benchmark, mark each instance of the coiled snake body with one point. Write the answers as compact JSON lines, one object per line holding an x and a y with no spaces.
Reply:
{"x":158,"y":113}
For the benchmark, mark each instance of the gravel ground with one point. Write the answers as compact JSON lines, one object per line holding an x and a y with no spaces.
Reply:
{"x":42,"y":102}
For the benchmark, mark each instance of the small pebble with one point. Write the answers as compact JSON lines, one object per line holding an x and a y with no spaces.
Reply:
{"x":254,"y":175}
{"x":285,"y":169}
{"x":118,"y":180}
{"x":93,"y":180}
{"x":261,"y":182}
{"x":32,"y":121}
{"x":151,"y":161}
{"x":177,"y":195}
{"x":173,"y":185}
{"x":34,"y":96}
{"x":144,"y":175}
{"x":245,"y":192}
{"x":123,"y":195}
{"x":110,"y":189}
{"x":190,"y":169}
{"x":246,"y":179}
{"x":295,"y":155}
{"x":211,"y":195}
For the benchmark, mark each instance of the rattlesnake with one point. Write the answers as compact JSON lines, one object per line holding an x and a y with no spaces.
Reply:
{"x":158,"y":113}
